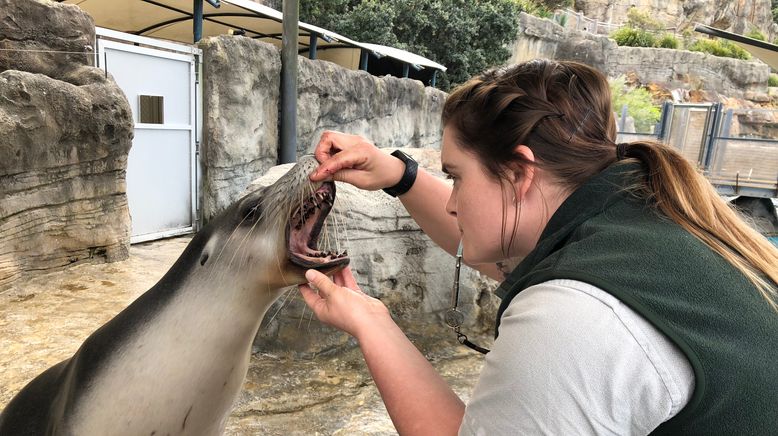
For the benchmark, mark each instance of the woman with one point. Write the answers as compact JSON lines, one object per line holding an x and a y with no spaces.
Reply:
{"x":642,"y":304}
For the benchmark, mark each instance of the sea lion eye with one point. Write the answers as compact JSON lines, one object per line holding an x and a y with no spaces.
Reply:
{"x":252,"y":214}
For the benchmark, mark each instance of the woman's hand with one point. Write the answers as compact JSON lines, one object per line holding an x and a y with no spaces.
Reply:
{"x":341,"y":303}
{"x":355,"y":160}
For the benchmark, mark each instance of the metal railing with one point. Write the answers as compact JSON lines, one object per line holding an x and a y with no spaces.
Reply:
{"x":578,"y":21}
{"x":737,"y":149}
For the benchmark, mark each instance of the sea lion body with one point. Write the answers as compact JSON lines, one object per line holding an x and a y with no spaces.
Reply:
{"x":174,"y":360}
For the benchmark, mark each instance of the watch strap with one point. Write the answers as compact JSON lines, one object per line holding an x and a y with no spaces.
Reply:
{"x":408,"y":177}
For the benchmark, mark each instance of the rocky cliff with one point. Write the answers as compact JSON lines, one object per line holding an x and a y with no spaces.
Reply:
{"x":541,"y":38}
{"x":733,"y":15}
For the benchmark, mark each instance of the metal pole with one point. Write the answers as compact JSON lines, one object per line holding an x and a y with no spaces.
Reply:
{"x":720,"y":151}
{"x":664,"y":121}
{"x":288,"y":149}
{"x":406,"y":70}
{"x":313,"y":45}
{"x":197,"y":20}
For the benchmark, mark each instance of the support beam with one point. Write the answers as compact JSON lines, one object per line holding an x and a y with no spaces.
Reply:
{"x":312,"y":46}
{"x":197,"y":20}
{"x":288,"y":149}
{"x":406,"y":70}
{"x":363,"y":59}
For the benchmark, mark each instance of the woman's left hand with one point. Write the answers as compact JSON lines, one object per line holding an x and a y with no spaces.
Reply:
{"x":340,"y":303}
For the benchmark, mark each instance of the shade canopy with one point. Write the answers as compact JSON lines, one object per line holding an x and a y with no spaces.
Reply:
{"x":764,"y":51}
{"x":174,"y":20}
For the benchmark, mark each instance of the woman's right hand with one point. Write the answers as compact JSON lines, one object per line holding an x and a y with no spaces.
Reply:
{"x":341,"y":304}
{"x":355,"y":160}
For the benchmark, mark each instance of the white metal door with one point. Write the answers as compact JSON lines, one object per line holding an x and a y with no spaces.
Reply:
{"x":161,"y":168}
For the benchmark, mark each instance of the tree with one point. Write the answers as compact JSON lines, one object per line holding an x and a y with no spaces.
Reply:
{"x":467,"y":36}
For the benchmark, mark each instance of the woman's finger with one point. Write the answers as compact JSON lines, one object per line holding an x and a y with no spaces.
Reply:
{"x":338,"y":162}
{"x":309,"y":295}
{"x":321,"y":282}
{"x":327,"y":147}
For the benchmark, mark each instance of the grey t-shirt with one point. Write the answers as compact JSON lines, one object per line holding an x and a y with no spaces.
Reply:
{"x":573,"y":359}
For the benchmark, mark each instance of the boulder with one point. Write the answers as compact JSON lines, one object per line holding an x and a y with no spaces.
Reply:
{"x":394,"y":261}
{"x":65,"y":133}
{"x":63,"y":156}
{"x":45,"y":37}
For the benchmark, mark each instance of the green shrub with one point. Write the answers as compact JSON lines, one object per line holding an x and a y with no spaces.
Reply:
{"x":536,"y":8}
{"x":720,"y":48}
{"x":668,"y":41}
{"x":772,"y":80}
{"x":756,"y":34}
{"x":639,"y":104}
{"x":631,"y":37}
{"x":562,"y":20}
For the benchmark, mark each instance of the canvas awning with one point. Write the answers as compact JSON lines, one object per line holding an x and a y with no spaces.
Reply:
{"x":173,"y":20}
{"x":764,"y":51}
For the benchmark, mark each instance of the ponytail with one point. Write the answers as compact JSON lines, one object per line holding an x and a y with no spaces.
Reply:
{"x":688,"y":198}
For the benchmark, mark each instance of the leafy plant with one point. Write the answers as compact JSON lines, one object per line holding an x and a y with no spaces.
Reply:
{"x":639,"y":19}
{"x":638,"y":101}
{"x":756,"y":34}
{"x":718,"y":47}
{"x":772,"y":80}
{"x":537,"y":8}
{"x":668,"y":41}
{"x":633,"y":37}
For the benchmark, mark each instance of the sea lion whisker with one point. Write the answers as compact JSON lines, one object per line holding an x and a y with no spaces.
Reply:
{"x":237,"y":250}
{"x":302,"y":315}
{"x":224,"y":247}
{"x":310,"y":318}
{"x":283,"y":303}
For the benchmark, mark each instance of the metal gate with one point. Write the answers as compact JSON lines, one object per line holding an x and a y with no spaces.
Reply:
{"x":160,"y":82}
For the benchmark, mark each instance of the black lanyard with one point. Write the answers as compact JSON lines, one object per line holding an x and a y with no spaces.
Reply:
{"x":455,"y":318}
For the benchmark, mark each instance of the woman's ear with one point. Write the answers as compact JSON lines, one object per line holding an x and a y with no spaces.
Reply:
{"x":524,"y":174}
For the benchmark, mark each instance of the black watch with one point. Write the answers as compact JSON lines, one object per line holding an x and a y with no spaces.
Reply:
{"x":409,"y":175}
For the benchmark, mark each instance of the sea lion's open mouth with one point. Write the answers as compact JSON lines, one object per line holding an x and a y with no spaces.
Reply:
{"x":304,"y":229}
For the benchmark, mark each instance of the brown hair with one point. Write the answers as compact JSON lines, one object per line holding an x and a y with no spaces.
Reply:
{"x":562,"y":112}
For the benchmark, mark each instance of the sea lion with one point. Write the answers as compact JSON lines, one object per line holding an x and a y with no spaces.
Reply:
{"x":174,"y":360}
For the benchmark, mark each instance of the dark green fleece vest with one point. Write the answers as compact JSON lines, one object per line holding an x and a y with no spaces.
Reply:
{"x":604,"y":236}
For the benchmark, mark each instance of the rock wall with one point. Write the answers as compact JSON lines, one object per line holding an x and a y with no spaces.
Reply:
{"x":671,"y":68}
{"x":241,"y":105}
{"x":734,"y":15}
{"x":394,"y":261}
{"x":65,"y":132}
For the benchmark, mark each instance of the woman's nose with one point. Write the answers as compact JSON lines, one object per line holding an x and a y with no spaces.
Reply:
{"x":451,"y":205}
